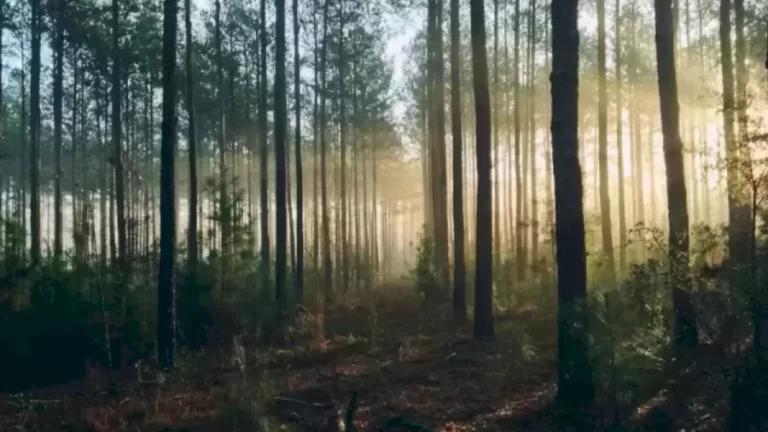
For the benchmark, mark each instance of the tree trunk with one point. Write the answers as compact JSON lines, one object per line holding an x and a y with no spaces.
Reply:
{"x":686,"y":332}
{"x":263,"y":179}
{"x":532,"y":127}
{"x":344,"y":265}
{"x":327,"y":281}
{"x":281,"y":116}
{"x":483,"y":326}
{"x":459,"y":276}
{"x":58,"y":90}
{"x":2,"y":130}
{"x":519,"y":252}
{"x":602,"y":120}
{"x":299,"y":272}
{"x":117,"y":140}
{"x":34,"y":195}
{"x":166,"y":310}
{"x":575,"y":388}
{"x":192,"y":252}
{"x":736,"y":231}
{"x":224,"y":206}
{"x":620,"y":141}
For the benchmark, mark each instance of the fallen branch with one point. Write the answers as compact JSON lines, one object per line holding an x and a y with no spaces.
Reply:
{"x":301,"y":402}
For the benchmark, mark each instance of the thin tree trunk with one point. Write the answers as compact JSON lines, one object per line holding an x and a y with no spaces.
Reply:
{"x":620,"y":141}
{"x":263,"y":179}
{"x":58,"y":90}
{"x":281,"y":116}
{"x":459,"y":271}
{"x":605,"y":199}
{"x":686,"y":333}
{"x":483,"y":326}
{"x":34,"y":196}
{"x":192,"y":252}
{"x":327,"y":282}
{"x":117,"y":140}
{"x":299,"y":273}
{"x":519,"y":252}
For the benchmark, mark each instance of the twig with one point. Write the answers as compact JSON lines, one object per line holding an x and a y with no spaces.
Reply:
{"x":301,"y":402}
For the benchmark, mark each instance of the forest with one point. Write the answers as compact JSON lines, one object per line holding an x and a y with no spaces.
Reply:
{"x":383,"y":215}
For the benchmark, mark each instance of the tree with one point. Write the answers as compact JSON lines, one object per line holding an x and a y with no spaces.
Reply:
{"x":281,"y":116}
{"x":459,"y":270}
{"x":224,"y":207}
{"x":58,"y":92}
{"x":263,"y":181}
{"x":519,"y":244}
{"x":602,"y":114}
{"x":619,"y":140}
{"x":575,"y":388}
{"x":117,"y":140}
{"x":484,"y":264}
{"x":327,"y":279}
{"x":166,"y":309}
{"x":737,"y":212}
{"x":299,"y":169}
{"x":686,"y":332}
{"x":34,"y":129}
{"x":191,"y":143}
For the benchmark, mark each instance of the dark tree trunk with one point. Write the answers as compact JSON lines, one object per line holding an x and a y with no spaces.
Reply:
{"x":575,"y":388}
{"x":686,"y":332}
{"x":459,"y":271}
{"x":483,"y":328}
{"x":224,"y":206}
{"x":34,"y":129}
{"x":602,"y":114}
{"x":344,"y":265}
{"x":192,"y":144}
{"x":299,"y":273}
{"x":281,"y":115}
{"x":736,"y":231}
{"x":117,"y":140}
{"x":166,"y":310}
{"x":58,"y":90}
{"x":532,"y":124}
{"x":263,"y":179}
{"x":519,"y":252}
{"x":2,"y":129}
{"x":327,"y":280}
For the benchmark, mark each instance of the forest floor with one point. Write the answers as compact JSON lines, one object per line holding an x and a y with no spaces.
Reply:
{"x":414,"y":371}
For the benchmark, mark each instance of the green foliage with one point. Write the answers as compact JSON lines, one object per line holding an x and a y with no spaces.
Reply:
{"x":629,"y":333}
{"x":424,"y":275}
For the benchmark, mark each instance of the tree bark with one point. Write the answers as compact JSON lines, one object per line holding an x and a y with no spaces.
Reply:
{"x":327,"y":281}
{"x":117,"y":140}
{"x":686,"y":332}
{"x":483,"y":326}
{"x":602,"y":120}
{"x":575,"y":388}
{"x":263,"y":178}
{"x":166,"y":309}
{"x":281,"y":115}
{"x":459,"y":270}
{"x":34,"y":133}
{"x":192,"y":252}
{"x":620,"y":141}
{"x":299,"y":273}
{"x":58,"y":90}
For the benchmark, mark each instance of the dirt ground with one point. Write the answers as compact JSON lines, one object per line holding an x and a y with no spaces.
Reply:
{"x":407,"y":372}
